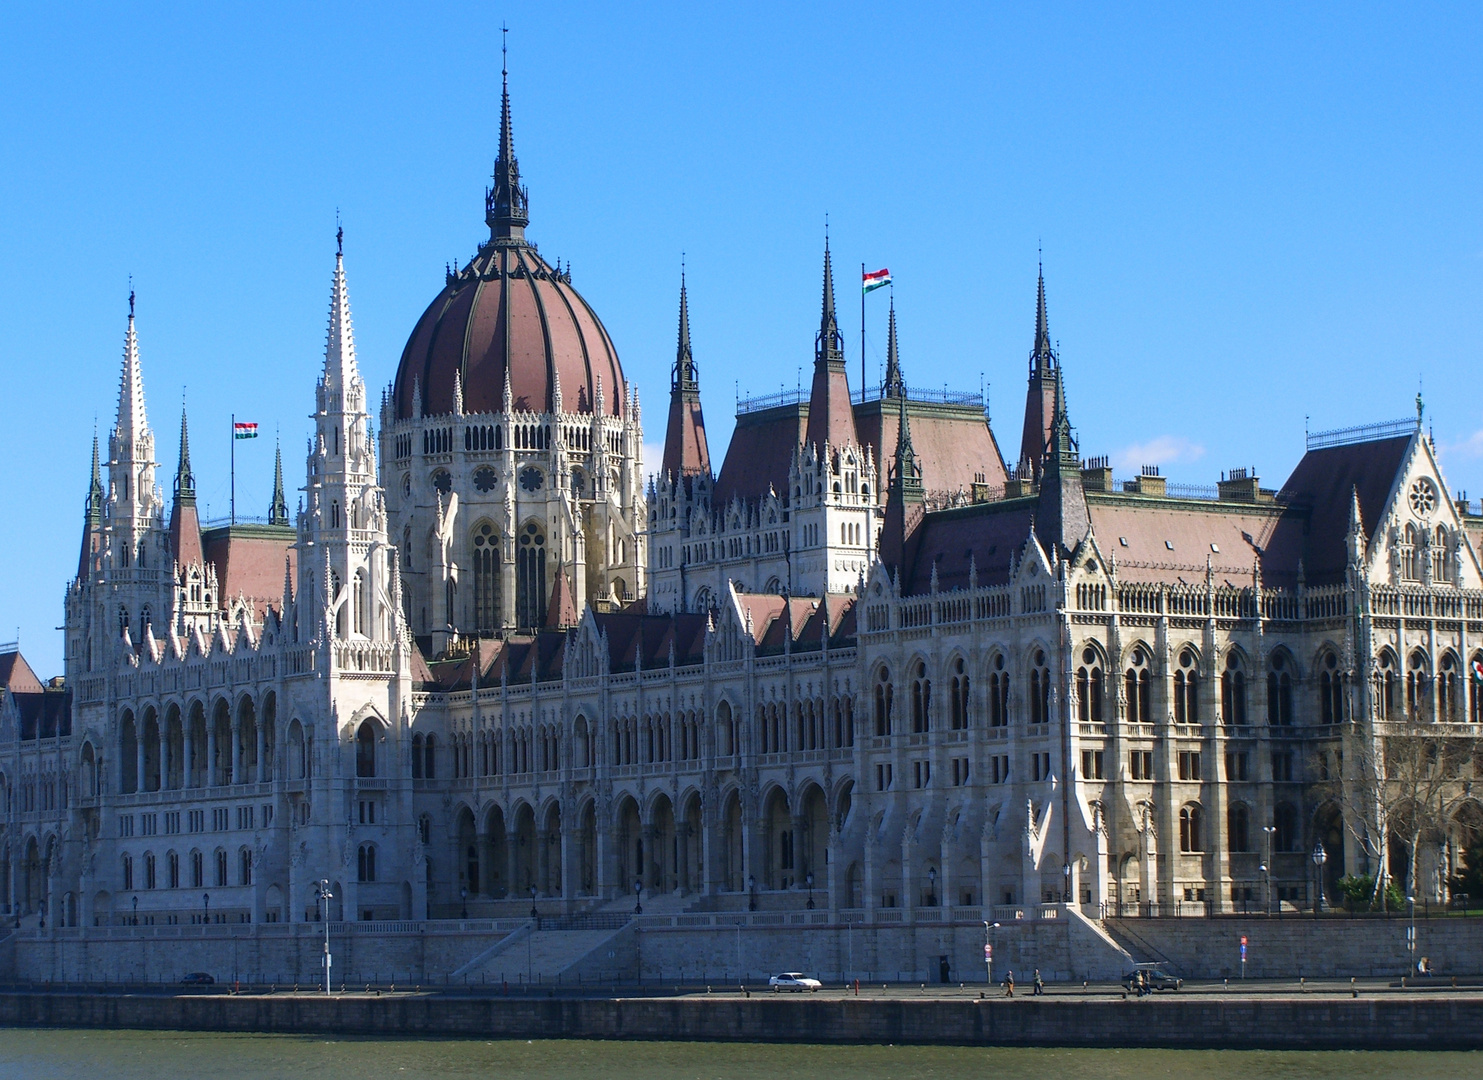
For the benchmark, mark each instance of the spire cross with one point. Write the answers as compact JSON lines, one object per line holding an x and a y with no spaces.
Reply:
{"x":504,"y":50}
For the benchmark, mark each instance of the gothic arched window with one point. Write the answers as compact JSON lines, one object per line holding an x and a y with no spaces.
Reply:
{"x":1330,"y":690}
{"x":921,"y":700}
{"x":1137,"y":683}
{"x":998,"y":692}
{"x":883,"y":695}
{"x":1447,"y":680}
{"x":1191,"y":821}
{"x":1279,"y":691}
{"x":486,"y":578}
{"x":1039,"y":689}
{"x":1089,"y":687}
{"x":1386,"y":679}
{"x":530,"y":576}
{"x":1186,"y":689}
{"x":1233,"y":691}
{"x":959,"y":688}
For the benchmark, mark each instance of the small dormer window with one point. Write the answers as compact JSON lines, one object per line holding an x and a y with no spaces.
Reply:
{"x":1215,"y":548}
{"x":1123,"y":540}
{"x":1169,"y":544}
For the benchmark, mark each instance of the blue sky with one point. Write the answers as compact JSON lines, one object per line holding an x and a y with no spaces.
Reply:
{"x":1249,"y":217}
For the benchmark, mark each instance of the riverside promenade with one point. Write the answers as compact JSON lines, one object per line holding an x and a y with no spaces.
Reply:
{"x":1290,"y":1016}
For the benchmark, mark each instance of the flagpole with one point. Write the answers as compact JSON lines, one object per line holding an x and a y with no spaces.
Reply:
{"x":862,"y":333}
{"x":234,"y":468}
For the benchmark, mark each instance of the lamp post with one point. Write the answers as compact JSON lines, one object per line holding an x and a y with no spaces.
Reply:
{"x":534,"y":914}
{"x":638,"y":897}
{"x":931,"y":886}
{"x":1066,"y":891}
{"x":1266,"y":867}
{"x":136,"y":911}
{"x":1319,"y":858}
{"x":325,"y":896}
{"x":463,"y":896}
{"x":751,"y":893}
{"x":206,"y":907}
{"x":1411,"y":934}
{"x":811,"y":892}
{"x":989,"y":928}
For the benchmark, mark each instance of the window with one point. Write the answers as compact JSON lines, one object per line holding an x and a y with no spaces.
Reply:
{"x":365,"y":749}
{"x":1475,"y":690}
{"x":1091,"y":765}
{"x":198,"y":876}
{"x":430,"y":758}
{"x":921,"y":700}
{"x":1233,"y":691}
{"x":221,"y":869}
{"x":128,"y":872}
{"x":416,"y":757}
{"x":1189,"y":764}
{"x":1416,"y":686}
{"x":1040,"y":766}
{"x":486,"y":575}
{"x":1286,"y":836}
{"x":1039,"y":689}
{"x":999,"y":768}
{"x":1279,"y":691}
{"x":197,"y":820}
{"x":367,"y":812}
{"x":921,"y":773}
{"x":1190,"y":821}
{"x":998,"y":692}
{"x":1282,"y":765}
{"x":1140,"y":764}
{"x":149,"y":876}
{"x":1136,"y":684}
{"x":1385,"y":686}
{"x":1238,"y":828}
{"x":244,"y":867}
{"x":1237,"y":764}
{"x":1089,"y":687}
{"x":365,"y":863}
{"x":221,"y":819}
{"x":959,"y":696}
{"x":883,"y":693}
{"x":883,"y":777}
{"x":1447,"y":684}
{"x":173,"y":864}
{"x":1330,"y":690}
{"x":1186,"y":689}
{"x":960,"y":772}
{"x":530,"y":575}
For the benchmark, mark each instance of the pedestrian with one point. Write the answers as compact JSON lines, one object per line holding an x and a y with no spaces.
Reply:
{"x":1039,"y":986}
{"x":1009,"y":984}
{"x":1140,"y":983}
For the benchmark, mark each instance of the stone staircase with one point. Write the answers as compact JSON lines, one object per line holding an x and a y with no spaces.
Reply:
{"x":550,"y":950}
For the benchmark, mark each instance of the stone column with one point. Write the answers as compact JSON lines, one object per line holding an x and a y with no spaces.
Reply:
{"x":512,"y":864}
{"x":211,"y":777}
{"x":164,"y":755}
{"x":262,"y":753}
{"x":236,"y":752}
{"x":139,"y":756}
{"x":187,"y":753}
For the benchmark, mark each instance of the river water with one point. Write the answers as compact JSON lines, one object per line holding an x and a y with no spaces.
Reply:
{"x":125,"y":1055}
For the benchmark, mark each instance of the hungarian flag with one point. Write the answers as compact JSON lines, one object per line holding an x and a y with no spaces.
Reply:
{"x":244,"y":431}
{"x":873,"y":281}
{"x":1478,"y":669}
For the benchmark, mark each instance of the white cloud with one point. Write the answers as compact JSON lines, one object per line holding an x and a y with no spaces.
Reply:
{"x":1471,"y":447}
{"x":653,"y":454}
{"x":1162,"y":450}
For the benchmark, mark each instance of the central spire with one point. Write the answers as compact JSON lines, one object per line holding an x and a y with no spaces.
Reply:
{"x":506,"y":211}
{"x":829,"y":345}
{"x":132,"y":422}
{"x":340,"y":371}
{"x":185,"y":480}
{"x":684,"y":373}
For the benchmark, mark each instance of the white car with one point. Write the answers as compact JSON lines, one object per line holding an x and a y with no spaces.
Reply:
{"x":795,"y":981}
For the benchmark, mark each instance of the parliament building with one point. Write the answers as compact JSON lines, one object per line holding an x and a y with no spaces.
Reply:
{"x":870,"y":667}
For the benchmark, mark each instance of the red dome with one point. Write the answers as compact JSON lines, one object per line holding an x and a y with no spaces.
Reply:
{"x":509,"y":310}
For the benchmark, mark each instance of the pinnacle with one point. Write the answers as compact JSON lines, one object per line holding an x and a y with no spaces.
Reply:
{"x":185,"y":480}
{"x":830,"y":343}
{"x":1041,"y":354}
{"x":895,"y":385}
{"x":684,"y":377}
{"x":132,"y":422}
{"x":505,"y":207}
{"x":339,"y":354}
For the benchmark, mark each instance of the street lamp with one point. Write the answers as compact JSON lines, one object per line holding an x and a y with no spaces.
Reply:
{"x":534,"y":914}
{"x":638,"y":897}
{"x":463,"y":896}
{"x":1266,"y":867}
{"x":206,"y":907}
{"x":136,"y":911}
{"x":811,"y":892}
{"x":1066,"y":892}
{"x":1411,"y":934}
{"x":1319,"y":858}
{"x":751,"y":893}
{"x":989,"y":950}
{"x":322,"y":887}
{"x":931,"y":886}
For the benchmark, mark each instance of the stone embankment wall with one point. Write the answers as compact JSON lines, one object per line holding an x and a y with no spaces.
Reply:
{"x":1292,"y":947}
{"x":1392,"y":1022}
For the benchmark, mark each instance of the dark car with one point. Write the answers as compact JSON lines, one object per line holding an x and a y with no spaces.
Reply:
{"x":198,"y":978}
{"x":1158,"y":978}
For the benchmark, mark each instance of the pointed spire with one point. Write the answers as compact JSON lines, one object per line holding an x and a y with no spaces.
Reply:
{"x":895,"y":384}
{"x":684,"y":375}
{"x":506,"y":210}
{"x":686,"y":452}
{"x":95,"y":489}
{"x":910,"y":476}
{"x":561,"y":609}
{"x":1041,"y":393}
{"x":1061,"y":517}
{"x":185,"y":480}
{"x":829,"y":345}
{"x":1041,"y":355}
{"x":340,"y":370}
{"x":278,"y":509}
{"x":132,"y":422}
